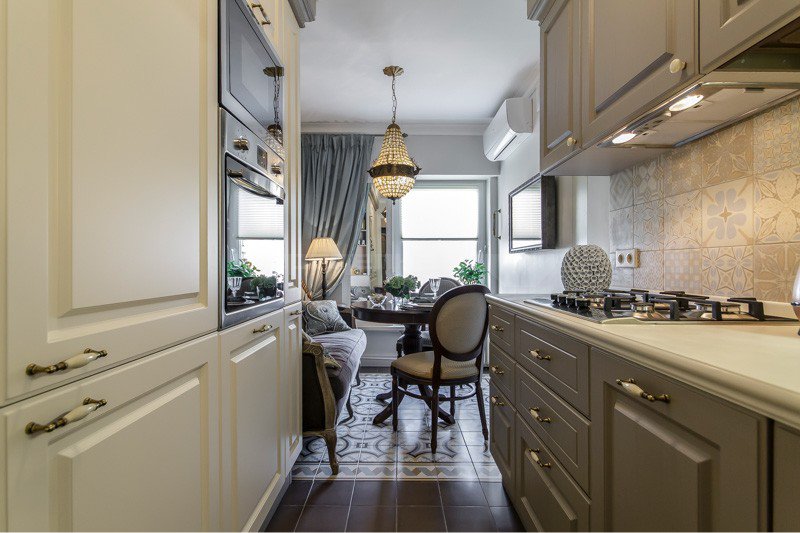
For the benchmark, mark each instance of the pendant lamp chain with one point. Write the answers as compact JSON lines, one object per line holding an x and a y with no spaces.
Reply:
{"x":394,"y":99}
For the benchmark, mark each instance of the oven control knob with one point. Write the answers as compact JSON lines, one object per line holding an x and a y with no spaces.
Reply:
{"x":241,"y":143}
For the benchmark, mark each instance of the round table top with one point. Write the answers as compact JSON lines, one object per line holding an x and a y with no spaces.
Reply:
{"x":390,"y":314}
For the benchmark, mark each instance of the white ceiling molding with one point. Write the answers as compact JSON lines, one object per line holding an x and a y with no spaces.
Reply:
{"x":411,"y":128}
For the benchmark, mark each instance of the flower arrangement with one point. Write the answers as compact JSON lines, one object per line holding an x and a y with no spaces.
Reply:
{"x":470,"y":272}
{"x":265,"y":285}
{"x":241,"y":269}
{"x":401,"y":287}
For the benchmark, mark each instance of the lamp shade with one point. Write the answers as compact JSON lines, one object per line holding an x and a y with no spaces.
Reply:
{"x":323,"y":248}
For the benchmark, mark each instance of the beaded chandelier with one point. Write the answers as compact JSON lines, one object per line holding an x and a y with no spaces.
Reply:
{"x":394,"y":171}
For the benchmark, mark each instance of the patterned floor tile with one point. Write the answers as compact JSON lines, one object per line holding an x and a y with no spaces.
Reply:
{"x":304,"y":471}
{"x":346,"y":471}
{"x":488,"y":472}
{"x":376,"y":471}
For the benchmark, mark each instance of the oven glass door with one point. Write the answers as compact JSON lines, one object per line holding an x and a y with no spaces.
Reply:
{"x":254,"y":243}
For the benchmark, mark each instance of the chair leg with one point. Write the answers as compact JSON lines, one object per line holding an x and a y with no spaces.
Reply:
{"x":349,"y":407}
{"x":434,"y":418}
{"x":399,"y":348}
{"x":481,"y":409}
{"x":394,"y":403}
{"x":330,"y":439}
{"x":452,"y":400}
{"x":358,"y":377}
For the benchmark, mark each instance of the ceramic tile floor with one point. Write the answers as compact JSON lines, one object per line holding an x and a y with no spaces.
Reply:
{"x":367,"y":451}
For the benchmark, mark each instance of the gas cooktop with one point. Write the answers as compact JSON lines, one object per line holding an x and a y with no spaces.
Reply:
{"x":672,"y":307}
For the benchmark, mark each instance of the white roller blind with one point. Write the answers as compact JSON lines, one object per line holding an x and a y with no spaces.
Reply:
{"x":259,"y":217}
{"x":527,"y":213}
{"x":446,"y":213}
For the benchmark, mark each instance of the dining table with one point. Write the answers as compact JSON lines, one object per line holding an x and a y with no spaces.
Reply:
{"x":412,"y":318}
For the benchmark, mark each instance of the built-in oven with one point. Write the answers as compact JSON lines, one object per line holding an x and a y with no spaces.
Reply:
{"x":250,"y":72}
{"x":253,"y":225}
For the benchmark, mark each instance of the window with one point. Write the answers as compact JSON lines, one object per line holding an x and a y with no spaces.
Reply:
{"x":441,"y":224}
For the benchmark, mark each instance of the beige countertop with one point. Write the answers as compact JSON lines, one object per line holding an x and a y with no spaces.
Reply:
{"x":756,"y":366}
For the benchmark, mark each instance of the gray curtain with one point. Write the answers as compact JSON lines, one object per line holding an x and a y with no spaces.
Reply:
{"x":335,"y":190}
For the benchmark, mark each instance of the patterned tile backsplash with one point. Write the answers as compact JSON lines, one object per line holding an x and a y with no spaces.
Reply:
{"x":720,"y":215}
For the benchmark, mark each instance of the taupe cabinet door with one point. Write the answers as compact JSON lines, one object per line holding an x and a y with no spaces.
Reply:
{"x":786,"y":479}
{"x":501,"y":443}
{"x":693,"y":464}
{"x":560,"y":52}
{"x":633,"y":53}
{"x":728,"y":27}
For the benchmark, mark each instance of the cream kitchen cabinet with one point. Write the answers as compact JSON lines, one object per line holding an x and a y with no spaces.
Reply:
{"x":270,"y":15}
{"x":252,"y":441}
{"x":291,"y":383}
{"x":109,"y":177}
{"x":145,"y":460}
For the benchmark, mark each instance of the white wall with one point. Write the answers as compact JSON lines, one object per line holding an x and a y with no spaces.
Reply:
{"x":447,"y":155}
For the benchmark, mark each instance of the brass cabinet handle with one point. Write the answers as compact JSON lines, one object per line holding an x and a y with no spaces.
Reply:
{"x":257,"y":5}
{"x":262,"y":329}
{"x":572,"y":141}
{"x":534,"y":411}
{"x":496,"y":370}
{"x":76,"y":361}
{"x":497,"y":401}
{"x":676,"y":65}
{"x":295,"y":313}
{"x":79,"y":413}
{"x":534,"y":455}
{"x":497,"y":328}
{"x":629,"y":385}
{"x":538,"y":355}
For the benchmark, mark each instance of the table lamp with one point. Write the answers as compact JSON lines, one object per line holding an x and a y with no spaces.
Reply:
{"x":323,"y":249}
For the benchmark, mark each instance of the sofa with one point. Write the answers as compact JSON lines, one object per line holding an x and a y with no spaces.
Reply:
{"x":327,"y":385}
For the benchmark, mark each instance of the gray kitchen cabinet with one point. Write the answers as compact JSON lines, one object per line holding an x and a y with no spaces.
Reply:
{"x":693,"y":463}
{"x":501,"y":439}
{"x":627,"y":66}
{"x":560,"y":82}
{"x":785,"y":479}
{"x":728,"y":27}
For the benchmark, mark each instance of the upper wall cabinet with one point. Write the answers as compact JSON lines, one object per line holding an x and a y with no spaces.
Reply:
{"x":560,"y":48}
{"x":110,"y":180}
{"x":728,"y":27}
{"x":632,"y":54}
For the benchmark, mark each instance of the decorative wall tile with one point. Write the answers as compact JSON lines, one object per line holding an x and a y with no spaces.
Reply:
{"x":683,"y":270}
{"x":777,"y":207}
{"x":622,"y":278}
{"x":728,"y":271}
{"x":776,"y":136}
{"x":775,"y":269}
{"x":648,"y":225}
{"x":728,"y":154}
{"x":682,"y":220}
{"x":650,"y":274}
{"x":648,"y":181}
{"x":683,"y":170}
{"x":622,"y":189}
{"x":621,"y":229}
{"x":728,"y":214}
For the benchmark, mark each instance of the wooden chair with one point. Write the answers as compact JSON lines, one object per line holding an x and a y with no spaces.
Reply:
{"x":444,"y":285}
{"x":458,"y":325}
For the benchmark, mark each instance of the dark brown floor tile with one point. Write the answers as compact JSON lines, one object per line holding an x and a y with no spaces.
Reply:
{"x":323,"y":518}
{"x":495,"y":494}
{"x":375,"y":493}
{"x":506,"y":519}
{"x":420,"y":518}
{"x":297,"y":492}
{"x":371,"y":518}
{"x":285,"y":518}
{"x":330,"y":492}
{"x":464,"y":493}
{"x":418,"y":493}
{"x":469,"y":519}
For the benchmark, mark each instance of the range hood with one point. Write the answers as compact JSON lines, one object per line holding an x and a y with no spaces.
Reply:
{"x":762,"y":77}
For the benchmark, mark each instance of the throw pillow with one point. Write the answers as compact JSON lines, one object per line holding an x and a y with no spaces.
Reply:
{"x":323,"y":317}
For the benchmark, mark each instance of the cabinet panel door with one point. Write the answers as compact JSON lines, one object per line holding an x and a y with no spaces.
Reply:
{"x":785,"y":479}
{"x":291,"y":383}
{"x":252,"y":441}
{"x":626,"y":64}
{"x":692,"y":464}
{"x":728,"y":27}
{"x":111,"y":181}
{"x":560,"y":104}
{"x":501,"y":418}
{"x":145,"y":461}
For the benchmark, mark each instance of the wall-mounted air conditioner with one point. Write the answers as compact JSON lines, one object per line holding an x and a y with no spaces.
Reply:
{"x":512,"y":124}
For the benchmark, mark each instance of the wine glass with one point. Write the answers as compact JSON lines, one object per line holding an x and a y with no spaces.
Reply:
{"x":434,"y":284}
{"x":235,"y":283}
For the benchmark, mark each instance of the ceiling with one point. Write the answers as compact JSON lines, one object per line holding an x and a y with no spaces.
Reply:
{"x":462,"y":58}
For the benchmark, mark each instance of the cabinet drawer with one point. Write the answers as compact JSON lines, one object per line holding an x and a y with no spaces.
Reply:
{"x":502,"y":371}
{"x":547,"y":499}
{"x":562,"y":428}
{"x":501,"y":328}
{"x":501,"y":439}
{"x":558,"y":361}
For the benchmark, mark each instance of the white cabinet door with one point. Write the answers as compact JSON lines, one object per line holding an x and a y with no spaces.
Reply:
{"x":252,"y":450}
{"x":291,"y":383}
{"x":145,"y":461}
{"x":110,"y":180}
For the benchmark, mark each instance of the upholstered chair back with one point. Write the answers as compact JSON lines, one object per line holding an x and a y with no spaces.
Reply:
{"x":458,"y":322}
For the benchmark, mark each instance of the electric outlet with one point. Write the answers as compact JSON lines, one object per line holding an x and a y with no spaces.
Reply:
{"x":627,"y":258}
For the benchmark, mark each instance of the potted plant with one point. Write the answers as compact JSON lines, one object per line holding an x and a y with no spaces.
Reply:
{"x":239,"y":274}
{"x":401,"y":287}
{"x":470,"y":272}
{"x":265,"y":286}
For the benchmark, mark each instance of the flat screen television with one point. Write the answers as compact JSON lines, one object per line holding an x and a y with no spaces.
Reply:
{"x":532,"y":215}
